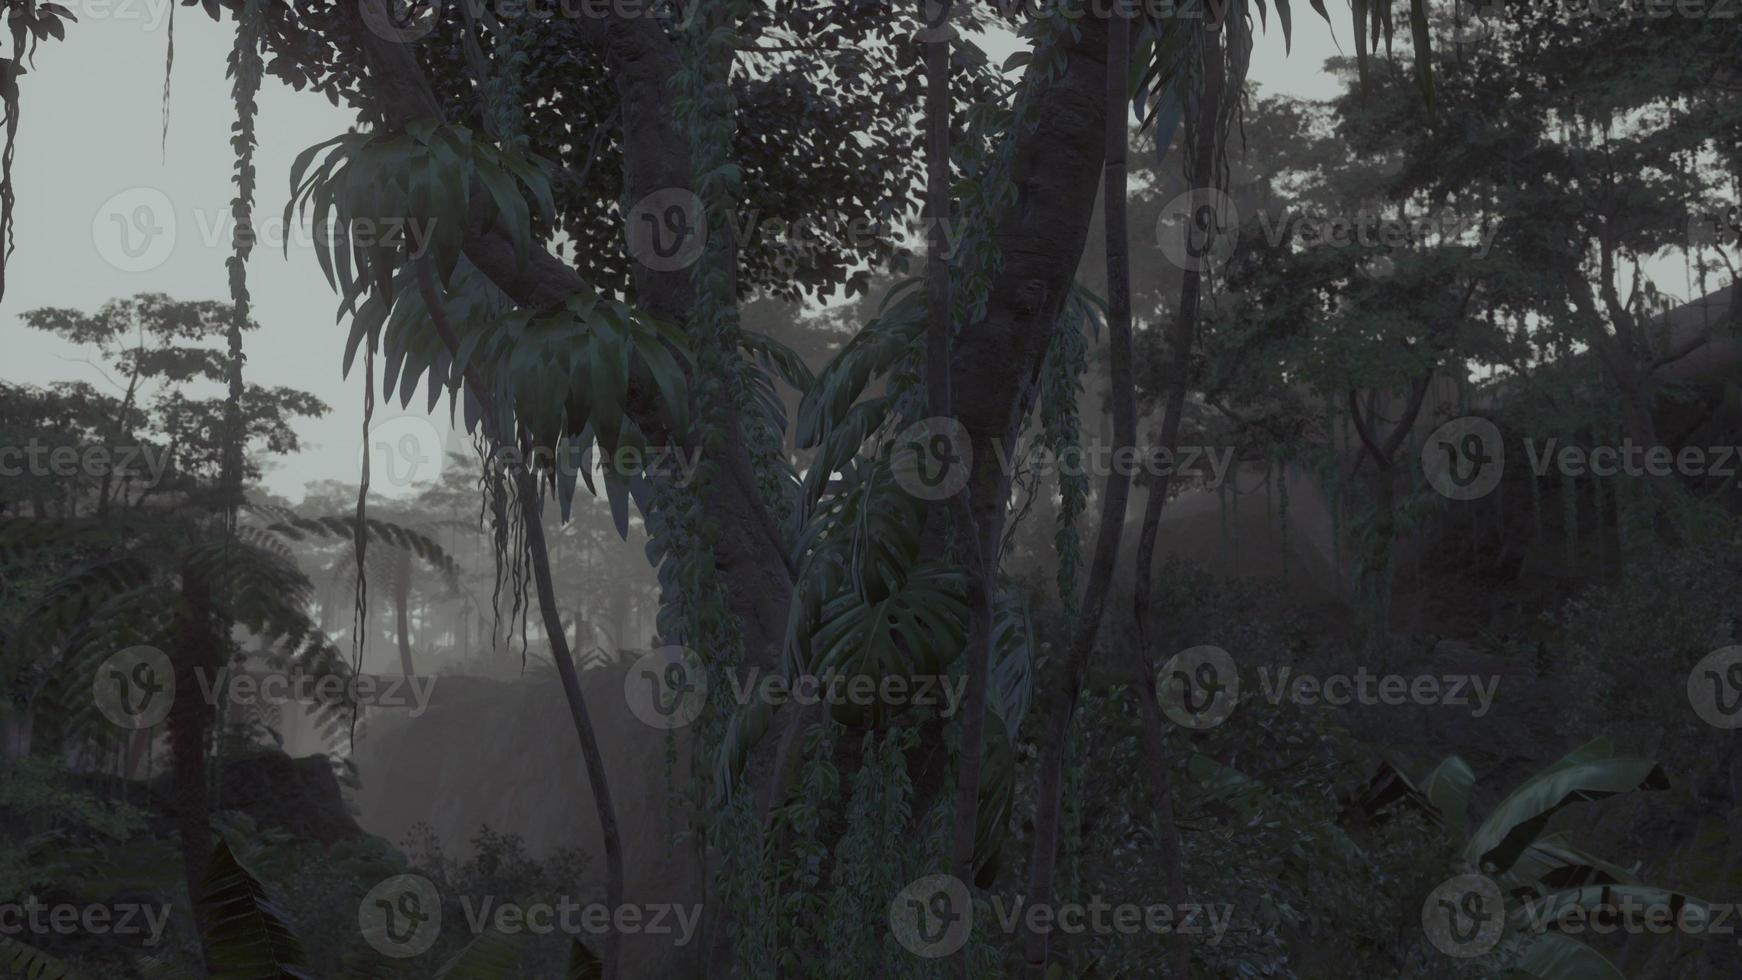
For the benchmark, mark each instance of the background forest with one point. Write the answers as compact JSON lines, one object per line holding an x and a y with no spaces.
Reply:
{"x":933,"y":489}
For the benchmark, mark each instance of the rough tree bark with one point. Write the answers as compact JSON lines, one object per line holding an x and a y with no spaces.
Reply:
{"x":1049,"y":787}
{"x":997,"y":359}
{"x":1179,"y":341}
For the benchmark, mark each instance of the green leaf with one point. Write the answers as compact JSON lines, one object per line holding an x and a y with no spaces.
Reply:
{"x":18,"y":959}
{"x":246,"y":936}
{"x":1591,"y":772}
{"x":1424,"y":58}
{"x":583,"y":965}
{"x":491,"y":956}
{"x":1555,"y":957}
{"x":509,"y":204}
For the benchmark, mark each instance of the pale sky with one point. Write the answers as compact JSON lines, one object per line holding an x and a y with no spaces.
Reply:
{"x":89,"y":155}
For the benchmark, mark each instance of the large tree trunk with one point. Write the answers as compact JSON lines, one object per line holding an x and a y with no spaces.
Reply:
{"x":1049,"y":787}
{"x":997,"y":359}
{"x":538,"y":553}
{"x":1179,"y":342}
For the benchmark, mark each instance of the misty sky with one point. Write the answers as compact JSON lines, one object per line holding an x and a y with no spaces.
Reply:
{"x":89,"y":150}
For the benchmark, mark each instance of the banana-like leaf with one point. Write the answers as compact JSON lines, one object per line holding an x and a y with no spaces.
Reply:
{"x":1601,"y":907}
{"x":20,"y":960}
{"x":781,"y":359}
{"x":744,"y":730}
{"x":997,"y":797}
{"x":247,"y":937}
{"x":1591,"y":772}
{"x":892,"y":337}
{"x":1011,"y":685}
{"x":1443,"y":793}
{"x":491,"y":956}
{"x":583,"y":965}
{"x":1554,"y":864}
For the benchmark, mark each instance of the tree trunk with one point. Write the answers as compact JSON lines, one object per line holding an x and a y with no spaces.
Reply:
{"x":1184,"y":327}
{"x":198,"y":657}
{"x":1049,"y":788}
{"x":537,"y":551}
